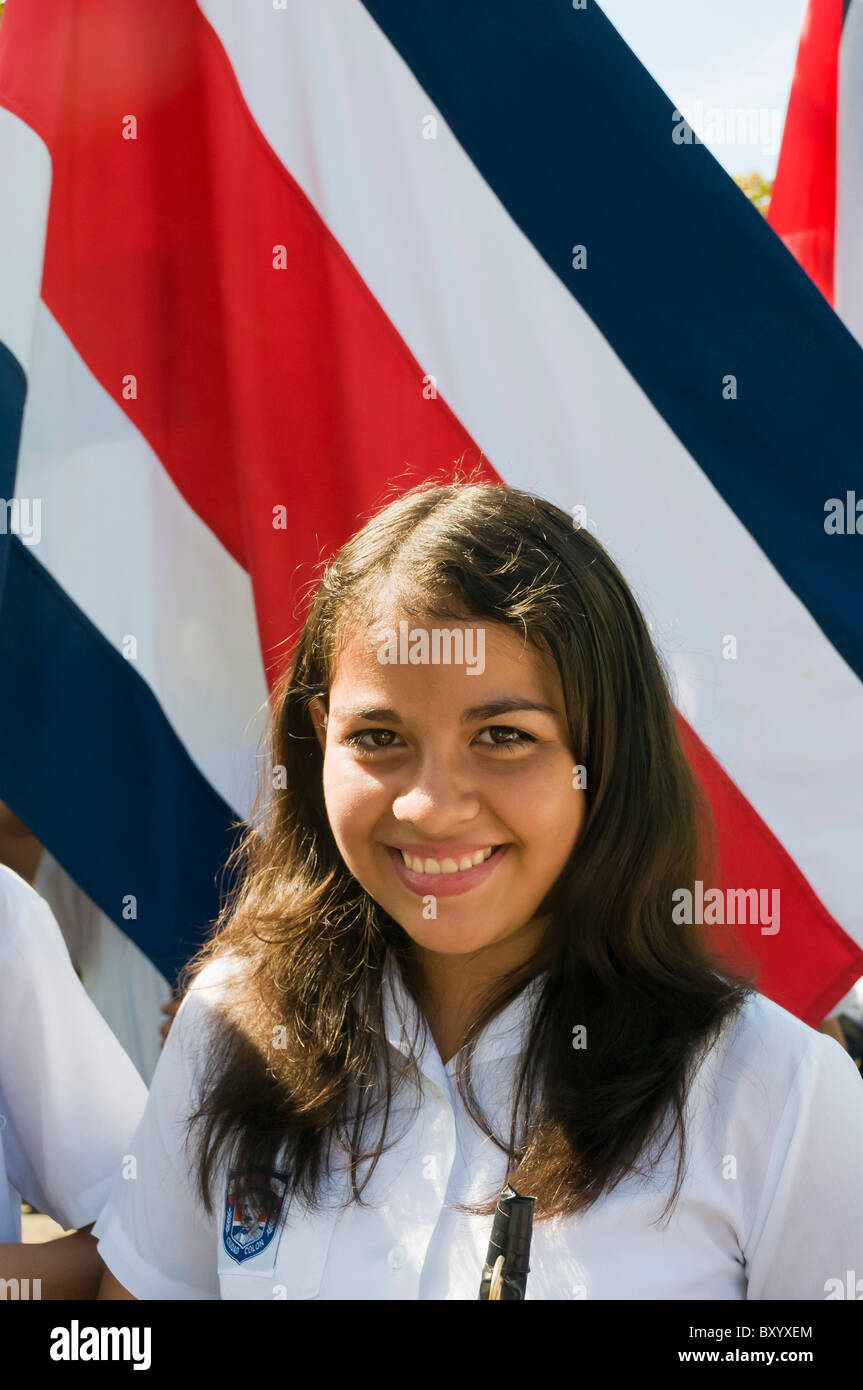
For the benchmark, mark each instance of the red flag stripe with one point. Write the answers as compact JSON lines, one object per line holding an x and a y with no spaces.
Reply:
{"x":803,"y":200}
{"x":800,"y":965}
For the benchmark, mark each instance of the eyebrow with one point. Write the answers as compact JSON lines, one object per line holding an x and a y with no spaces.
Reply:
{"x":487,"y":711}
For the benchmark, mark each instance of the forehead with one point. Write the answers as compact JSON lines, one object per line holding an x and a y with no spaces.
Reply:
{"x":492,"y":655}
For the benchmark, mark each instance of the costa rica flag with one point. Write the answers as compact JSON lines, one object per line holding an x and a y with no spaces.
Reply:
{"x":259,"y":264}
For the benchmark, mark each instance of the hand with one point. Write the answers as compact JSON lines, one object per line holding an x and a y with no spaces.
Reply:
{"x":66,"y":1266}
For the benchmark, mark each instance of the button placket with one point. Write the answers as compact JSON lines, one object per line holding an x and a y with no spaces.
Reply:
{"x":434,"y":1157}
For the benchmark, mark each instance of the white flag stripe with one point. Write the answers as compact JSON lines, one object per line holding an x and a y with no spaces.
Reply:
{"x":847,"y":264}
{"x":25,"y":177}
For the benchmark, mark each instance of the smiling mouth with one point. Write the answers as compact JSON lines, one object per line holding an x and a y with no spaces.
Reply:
{"x":446,"y":866}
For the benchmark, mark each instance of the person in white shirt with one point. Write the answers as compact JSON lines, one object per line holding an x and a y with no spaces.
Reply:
{"x":127,"y":989}
{"x":452,"y":960}
{"x":70,"y":1100}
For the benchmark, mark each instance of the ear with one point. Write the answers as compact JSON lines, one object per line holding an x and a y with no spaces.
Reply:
{"x":318,"y":711}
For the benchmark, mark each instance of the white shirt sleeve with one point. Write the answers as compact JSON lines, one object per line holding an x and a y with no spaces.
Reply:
{"x":69,"y":1095}
{"x":155,"y":1235}
{"x":808,"y":1223}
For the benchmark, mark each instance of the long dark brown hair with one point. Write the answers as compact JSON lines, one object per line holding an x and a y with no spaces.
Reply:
{"x":298,"y":1058}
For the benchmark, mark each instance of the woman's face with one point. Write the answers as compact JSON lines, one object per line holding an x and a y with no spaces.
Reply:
{"x":444,"y":763}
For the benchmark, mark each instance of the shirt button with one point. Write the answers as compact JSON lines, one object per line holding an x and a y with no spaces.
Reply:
{"x":396,"y":1257}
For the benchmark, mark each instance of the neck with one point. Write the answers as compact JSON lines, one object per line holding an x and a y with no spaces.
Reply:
{"x":452,"y":986}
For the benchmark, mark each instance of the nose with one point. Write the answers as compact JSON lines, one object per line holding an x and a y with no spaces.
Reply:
{"x":438,"y":799}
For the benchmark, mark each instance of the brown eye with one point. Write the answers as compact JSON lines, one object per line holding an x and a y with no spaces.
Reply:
{"x":355,"y":740}
{"x":520,"y":740}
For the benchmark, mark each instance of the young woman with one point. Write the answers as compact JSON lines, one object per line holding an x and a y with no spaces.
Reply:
{"x":453,"y":958}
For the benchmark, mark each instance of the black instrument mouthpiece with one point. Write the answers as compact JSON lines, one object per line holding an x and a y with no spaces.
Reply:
{"x":504,"y":1275}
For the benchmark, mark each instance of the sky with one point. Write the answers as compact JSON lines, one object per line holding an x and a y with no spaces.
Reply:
{"x":714,"y":57}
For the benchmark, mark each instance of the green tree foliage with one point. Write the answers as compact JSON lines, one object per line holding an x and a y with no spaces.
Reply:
{"x":757,"y":190}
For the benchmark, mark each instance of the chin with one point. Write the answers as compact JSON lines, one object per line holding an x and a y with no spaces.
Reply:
{"x":446,"y":940}
{"x":448,"y":947}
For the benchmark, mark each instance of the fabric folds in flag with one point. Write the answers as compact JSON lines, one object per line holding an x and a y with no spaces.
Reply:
{"x":270,"y":263}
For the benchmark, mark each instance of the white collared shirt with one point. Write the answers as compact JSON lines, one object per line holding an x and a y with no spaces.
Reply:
{"x":69,"y":1096}
{"x":771,"y":1206}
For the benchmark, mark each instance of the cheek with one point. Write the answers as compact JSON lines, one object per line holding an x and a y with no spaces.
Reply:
{"x":555,"y":814}
{"x":351,"y":796}
{"x":544,"y":797}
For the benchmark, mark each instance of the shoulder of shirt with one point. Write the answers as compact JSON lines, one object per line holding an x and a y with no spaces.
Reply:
{"x":27,"y":924}
{"x":766,"y":1046}
{"x":201,"y":1011}
{"x":209,"y":988}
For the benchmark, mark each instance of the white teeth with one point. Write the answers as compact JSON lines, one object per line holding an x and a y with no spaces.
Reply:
{"x":446,"y":866}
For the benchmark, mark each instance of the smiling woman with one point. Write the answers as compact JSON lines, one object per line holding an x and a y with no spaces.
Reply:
{"x":451,"y":959}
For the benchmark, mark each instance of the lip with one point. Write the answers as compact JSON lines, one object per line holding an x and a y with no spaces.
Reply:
{"x":443,"y":885}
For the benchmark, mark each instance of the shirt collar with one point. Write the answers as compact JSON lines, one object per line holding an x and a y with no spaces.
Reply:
{"x":505,"y":1036}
